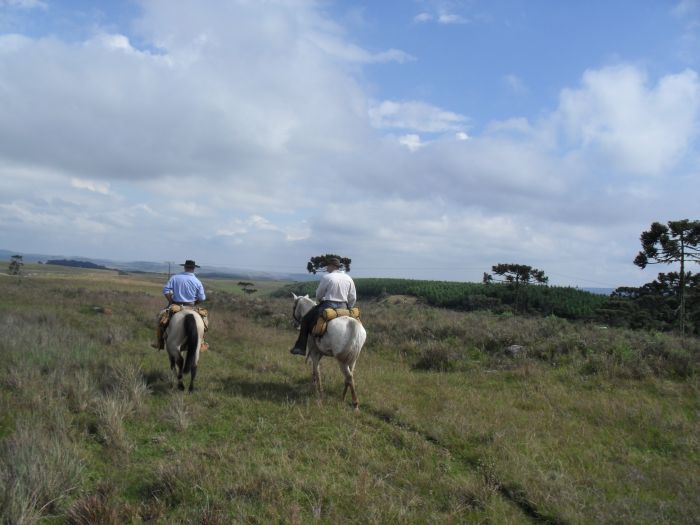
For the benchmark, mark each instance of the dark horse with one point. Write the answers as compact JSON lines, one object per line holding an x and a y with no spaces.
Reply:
{"x":184,"y":334}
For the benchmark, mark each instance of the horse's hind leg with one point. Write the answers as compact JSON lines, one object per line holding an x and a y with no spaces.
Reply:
{"x":349,"y":384}
{"x":180,"y":364}
{"x":316,"y":374}
{"x":173,"y":369}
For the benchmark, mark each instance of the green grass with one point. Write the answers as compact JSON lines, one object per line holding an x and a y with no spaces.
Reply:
{"x":585,"y":425}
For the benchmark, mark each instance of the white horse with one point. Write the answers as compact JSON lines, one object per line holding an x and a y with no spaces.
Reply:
{"x":185,"y":333}
{"x":343,"y":340}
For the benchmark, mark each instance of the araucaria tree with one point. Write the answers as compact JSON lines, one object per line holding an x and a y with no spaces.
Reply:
{"x":319,"y":262}
{"x":516,"y":274}
{"x":675,"y":242}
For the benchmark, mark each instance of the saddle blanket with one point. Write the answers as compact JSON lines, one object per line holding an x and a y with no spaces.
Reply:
{"x":167,"y":313}
{"x":329,"y":314}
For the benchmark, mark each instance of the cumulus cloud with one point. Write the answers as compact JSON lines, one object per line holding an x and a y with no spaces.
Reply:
{"x":224,"y":95}
{"x":640,"y":128}
{"x":247,"y":133}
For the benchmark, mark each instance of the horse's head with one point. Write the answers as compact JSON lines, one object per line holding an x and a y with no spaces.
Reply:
{"x":302,"y":304}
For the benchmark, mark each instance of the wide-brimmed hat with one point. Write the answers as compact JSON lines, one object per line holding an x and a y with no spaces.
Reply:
{"x":190,"y":264}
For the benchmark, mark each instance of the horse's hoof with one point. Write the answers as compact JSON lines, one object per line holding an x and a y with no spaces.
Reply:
{"x":181,"y":387}
{"x":191,"y":389}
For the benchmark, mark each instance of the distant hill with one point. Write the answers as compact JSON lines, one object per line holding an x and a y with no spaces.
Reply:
{"x":162,"y":267}
{"x":77,"y":264}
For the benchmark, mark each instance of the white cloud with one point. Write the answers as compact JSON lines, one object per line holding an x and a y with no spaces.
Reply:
{"x":90,"y":185}
{"x":639,"y":128}
{"x":442,"y":17}
{"x":352,"y":53}
{"x":451,"y":18}
{"x":247,"y":133}
{"x":517,"y":125}
{"x":415,"y":116}
{"x":111,"y":41}
{"x":411,"y":141}
{"x":240,"y":228}
{"x":423,"y":17}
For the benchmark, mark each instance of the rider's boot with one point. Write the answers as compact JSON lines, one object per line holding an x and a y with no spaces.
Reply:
{"x":299,"y":347}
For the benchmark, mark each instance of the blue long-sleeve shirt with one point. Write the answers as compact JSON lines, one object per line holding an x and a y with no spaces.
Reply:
{"x":185,"y":287}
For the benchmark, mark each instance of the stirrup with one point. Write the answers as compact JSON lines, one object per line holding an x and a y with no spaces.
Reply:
{"x":297,"y":351}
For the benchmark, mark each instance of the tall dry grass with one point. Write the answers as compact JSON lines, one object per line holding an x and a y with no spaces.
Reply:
{"x":39,"y":467}
{"x":583,"y":424}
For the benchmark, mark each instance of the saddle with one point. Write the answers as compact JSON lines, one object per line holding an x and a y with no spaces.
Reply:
{"x":329,"y":314}
{"x":171,"y":310}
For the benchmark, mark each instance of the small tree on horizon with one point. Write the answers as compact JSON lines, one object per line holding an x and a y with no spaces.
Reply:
{"x":320,"y":262}
{"x":673,"y":242}
{"x":247,"y":287}
{"x":516,"y":275}
{"x":16,"y":264}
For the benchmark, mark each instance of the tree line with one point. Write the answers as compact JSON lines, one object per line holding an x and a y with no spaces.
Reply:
{"x":671,"y":301}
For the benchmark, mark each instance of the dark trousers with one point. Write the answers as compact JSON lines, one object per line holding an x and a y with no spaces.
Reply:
{"x":309,"y":320}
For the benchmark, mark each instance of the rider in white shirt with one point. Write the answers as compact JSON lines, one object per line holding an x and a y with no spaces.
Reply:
{"x":336,"y":290}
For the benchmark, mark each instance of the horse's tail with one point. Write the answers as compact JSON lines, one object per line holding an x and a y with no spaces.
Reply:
{"x":192,"y":335}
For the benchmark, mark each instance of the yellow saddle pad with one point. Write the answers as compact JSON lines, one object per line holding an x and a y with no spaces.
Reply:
{"x":331,"y":313}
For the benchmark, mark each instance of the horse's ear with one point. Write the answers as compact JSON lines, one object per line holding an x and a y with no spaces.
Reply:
{"x":307,"y":296}
{"x":294,"y":295}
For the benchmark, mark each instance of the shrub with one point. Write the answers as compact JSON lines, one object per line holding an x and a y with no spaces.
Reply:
{"x":439,"y":357}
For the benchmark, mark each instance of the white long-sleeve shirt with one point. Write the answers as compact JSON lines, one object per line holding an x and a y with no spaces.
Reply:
{"x":338,"y":287}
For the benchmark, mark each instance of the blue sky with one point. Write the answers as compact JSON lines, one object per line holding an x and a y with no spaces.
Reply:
{"x":424,"y":139}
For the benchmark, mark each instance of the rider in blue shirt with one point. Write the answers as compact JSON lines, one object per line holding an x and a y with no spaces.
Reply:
{"x":183,"y":289}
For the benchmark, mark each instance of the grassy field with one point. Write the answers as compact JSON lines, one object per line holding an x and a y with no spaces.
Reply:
{"x":576,"y":424}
